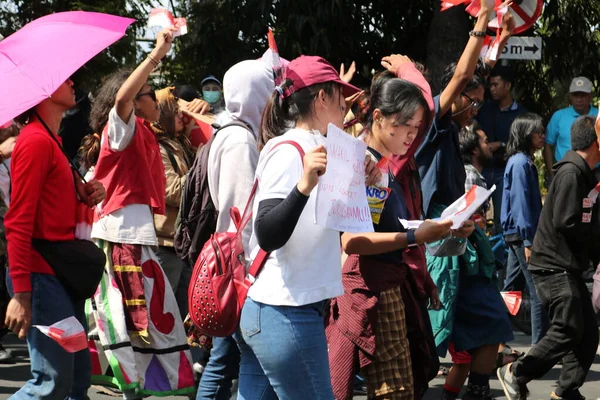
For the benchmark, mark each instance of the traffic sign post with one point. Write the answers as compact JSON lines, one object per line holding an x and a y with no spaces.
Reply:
{"x":522,"y":48}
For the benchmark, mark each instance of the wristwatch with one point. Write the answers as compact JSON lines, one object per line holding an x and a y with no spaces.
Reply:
{"x":411,"y":240}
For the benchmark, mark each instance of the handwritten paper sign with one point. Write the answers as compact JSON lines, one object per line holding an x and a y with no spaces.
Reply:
{"x":341,"y":196}
{"x":461,"y":210}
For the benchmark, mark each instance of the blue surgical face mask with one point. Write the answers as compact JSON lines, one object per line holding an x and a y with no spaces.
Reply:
{"x":212,"y":97}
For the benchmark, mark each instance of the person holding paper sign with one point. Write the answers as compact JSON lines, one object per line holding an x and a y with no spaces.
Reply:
{"x":464,"y":280}
{"x":285,"y":305}
{"x":374,"y":274}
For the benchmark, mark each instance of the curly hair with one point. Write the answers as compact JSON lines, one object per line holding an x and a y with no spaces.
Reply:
{"x":105,"y":97}
{"x":89,"y":151}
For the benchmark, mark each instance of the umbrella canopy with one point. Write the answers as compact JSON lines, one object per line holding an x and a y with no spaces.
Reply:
{"x":38,"y":58}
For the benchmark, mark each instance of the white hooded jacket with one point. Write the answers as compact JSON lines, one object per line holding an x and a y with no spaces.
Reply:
{"x":233,"y":156}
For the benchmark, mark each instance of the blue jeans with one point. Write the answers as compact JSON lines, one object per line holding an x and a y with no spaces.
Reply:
{"x":517,"y":266}
{"x":495,"y":176}
{"x":222,"y":368}
{"x":284,"y":353}
{"x":57,"y":374}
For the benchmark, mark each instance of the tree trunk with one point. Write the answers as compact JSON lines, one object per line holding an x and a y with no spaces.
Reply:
{"x":448,"y":35}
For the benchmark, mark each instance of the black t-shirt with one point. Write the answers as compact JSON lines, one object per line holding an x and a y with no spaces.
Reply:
{"x":387,"y":208}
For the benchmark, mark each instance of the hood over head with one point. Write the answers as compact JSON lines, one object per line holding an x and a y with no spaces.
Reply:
{"x":572,"y":157}
{"x":247,"y":86}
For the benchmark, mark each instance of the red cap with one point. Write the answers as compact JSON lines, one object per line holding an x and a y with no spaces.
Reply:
{"x":306,"y":71}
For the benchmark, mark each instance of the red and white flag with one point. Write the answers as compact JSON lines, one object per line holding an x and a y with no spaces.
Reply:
{"x":68,"y":333}
{"x":161,"y":18}
{"x":272,"y":59}
{"x":446,"y":4}
{"x":513,"y":301}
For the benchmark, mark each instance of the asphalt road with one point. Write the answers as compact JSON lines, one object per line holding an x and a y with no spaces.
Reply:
{"x":13,"y":376}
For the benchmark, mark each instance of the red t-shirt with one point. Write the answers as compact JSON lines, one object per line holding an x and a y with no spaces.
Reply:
{"x":43,"y":203}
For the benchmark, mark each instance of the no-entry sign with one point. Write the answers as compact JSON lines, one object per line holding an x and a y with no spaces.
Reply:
{"x":525,"y":13}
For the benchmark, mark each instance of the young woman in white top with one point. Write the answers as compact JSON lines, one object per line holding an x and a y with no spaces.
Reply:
{"x":282,"y":336}
{"x":137,"y":319}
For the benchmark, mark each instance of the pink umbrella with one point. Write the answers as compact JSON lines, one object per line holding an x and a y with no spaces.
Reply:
{"x":38,"y":58}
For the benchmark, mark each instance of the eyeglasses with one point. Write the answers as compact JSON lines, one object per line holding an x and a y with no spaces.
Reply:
{"x":475,"y":104}
{"x":151,"y":93}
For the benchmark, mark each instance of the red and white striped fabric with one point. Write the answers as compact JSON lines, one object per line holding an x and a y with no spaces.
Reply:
{"x":68,"y":333}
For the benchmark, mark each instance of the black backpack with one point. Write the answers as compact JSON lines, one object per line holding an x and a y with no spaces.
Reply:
{"x":197,"y":218}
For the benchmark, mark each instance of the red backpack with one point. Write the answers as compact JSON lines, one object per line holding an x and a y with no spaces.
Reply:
{"x":220,"y":284}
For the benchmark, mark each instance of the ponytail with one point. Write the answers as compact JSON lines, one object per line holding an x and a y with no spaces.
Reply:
{"x":89,"y":151}
{"x":274,"y":119}
{"x":281,"y":113}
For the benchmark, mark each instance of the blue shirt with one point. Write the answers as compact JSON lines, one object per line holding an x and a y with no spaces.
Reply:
{"x":496,"y":123}
{"x":521,"y":199}
{"x":558,"y":132}
{"x":440,"y":163}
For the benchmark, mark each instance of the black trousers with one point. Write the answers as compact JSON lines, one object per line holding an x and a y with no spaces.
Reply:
{"x":572,"y":335}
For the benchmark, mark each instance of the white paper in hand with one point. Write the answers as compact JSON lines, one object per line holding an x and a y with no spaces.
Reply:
{"x":459,"y":211}
{"x":463,"y":208}
{"x":341,"y":194}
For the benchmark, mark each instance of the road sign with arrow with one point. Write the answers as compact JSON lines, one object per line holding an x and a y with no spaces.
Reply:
{"x":523,"y":48}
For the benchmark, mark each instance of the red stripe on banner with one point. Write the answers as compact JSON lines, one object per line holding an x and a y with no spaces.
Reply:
{"x":96,"y":366}
{"x":469,"y":198}
{"x":521,"y":13}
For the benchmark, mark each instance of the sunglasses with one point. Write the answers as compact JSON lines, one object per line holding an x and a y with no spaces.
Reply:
{"x":151,"y":93}
{"x":475,"y":104}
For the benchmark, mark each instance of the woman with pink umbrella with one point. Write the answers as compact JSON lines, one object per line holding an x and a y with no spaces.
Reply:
{"x":45,"y":193}
{"x":138,"y":321}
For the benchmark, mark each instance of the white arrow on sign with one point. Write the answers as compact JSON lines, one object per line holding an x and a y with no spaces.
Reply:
{"x":523,"y":48}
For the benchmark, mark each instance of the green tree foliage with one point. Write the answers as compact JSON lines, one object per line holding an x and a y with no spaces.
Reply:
{"x":223,"y":32}
{"x":571,"y":47}
{"x":16,"y":13}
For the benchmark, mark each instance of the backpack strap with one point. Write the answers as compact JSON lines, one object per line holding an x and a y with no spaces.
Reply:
{"x":247,"y":215}
{"x":262,"y":256}
{"x":241,"y":124}
{"x":171,"y":157}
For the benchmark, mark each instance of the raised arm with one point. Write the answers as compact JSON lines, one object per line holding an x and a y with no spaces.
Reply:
{"x":467,"y":62}
{"x":404,"y":68}
{"x":508,"y":27}
{"x":138,"y":78}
